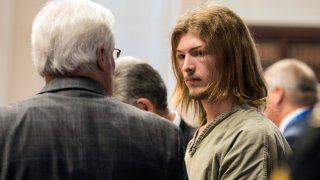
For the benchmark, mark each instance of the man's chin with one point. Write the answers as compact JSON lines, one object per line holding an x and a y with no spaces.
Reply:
{"x":199,"y":96}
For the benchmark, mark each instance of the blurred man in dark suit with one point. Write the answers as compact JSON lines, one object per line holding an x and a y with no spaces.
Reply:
{"x":139,"y":84}
{"x":72,"y":129}
{"x":292,"y":94}
{"x":306,"y":159}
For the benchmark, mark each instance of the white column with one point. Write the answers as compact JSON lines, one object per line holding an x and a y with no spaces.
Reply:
{"x":6,"y":13}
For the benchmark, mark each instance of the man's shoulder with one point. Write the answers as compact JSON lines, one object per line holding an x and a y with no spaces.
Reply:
{"x":16,"y":107}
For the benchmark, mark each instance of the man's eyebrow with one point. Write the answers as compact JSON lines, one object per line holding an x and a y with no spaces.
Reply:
{"x":192,"y":49}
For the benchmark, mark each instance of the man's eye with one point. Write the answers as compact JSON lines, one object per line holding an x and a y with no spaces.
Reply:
{"x":181,"y":56}
{"x":197,"y":53}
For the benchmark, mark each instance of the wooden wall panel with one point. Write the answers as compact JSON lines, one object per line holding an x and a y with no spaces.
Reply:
{"x":275,"y":43}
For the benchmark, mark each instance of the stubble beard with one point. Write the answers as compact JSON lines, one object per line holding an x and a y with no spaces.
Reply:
{"x":199,"y":95}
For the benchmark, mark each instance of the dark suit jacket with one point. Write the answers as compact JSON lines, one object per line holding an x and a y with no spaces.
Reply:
{"x":306,"y":159}
{"x":70,"y":130}
{"x":187,"y":131}
{"x":294,"y":130}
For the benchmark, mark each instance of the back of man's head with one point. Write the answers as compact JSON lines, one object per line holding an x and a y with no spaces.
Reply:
{"x":134,"y":78}
{"x":66,"y":35}
{"x":296,"y":78}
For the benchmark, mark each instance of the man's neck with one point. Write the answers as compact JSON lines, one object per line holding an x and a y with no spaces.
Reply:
{"x":214,"y":109}
{"x":166,"y":114}
{"x":95,"y":75}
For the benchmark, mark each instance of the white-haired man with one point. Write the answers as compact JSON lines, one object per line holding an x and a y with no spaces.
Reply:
{"x":292,"y":94}
{"x":73,"y":129}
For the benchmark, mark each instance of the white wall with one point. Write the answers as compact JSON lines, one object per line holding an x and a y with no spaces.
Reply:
{"x":142,"y":29}
{"x":18,"y":78}
{"x":5,"y":47}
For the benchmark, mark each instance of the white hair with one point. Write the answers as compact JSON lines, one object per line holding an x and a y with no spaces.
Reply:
{"x":66,"y":35}
{"x":296,"y":77}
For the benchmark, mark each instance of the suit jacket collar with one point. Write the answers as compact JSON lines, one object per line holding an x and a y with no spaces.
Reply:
{"x":72,"y":82}
{"x":177,"y":118}
{"x":291,"y":116}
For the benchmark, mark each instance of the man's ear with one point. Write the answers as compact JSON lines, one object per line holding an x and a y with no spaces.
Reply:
{"x":145,"y":104}
{"x":279,"y":95}
{"x":101,"y":59}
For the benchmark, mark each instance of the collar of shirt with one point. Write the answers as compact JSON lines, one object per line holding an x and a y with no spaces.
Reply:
{"x":177,"y":119}
{"x":286,"y":120}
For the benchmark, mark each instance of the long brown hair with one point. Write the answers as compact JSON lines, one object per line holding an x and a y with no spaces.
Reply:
{"x":226,"y":37}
